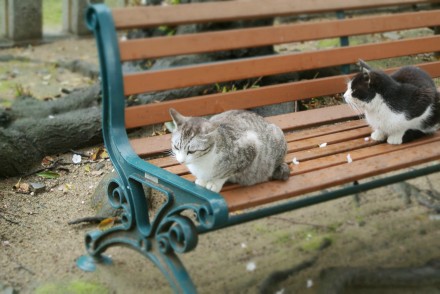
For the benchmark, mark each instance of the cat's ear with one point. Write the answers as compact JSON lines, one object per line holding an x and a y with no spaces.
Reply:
{"x":366,"y":75}
{"x":365,"y":69}
{"x":178,"y":119}
{"x":364,"y":66}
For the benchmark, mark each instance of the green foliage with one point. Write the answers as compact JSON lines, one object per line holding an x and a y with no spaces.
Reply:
{"x":261,"y":228}
{"x":232,"y":88}
{"x":166,"y":30}
{"x":283,"y":237}
{"x":5,"y":103}
{"x":49,"y":174}
{"x":52,"y":13}
{"x":314,"y":243}
{"x":74,"y":287}
{"x":22,"y":91}
{"x":225,"y":88}
{"x":328,"y":43}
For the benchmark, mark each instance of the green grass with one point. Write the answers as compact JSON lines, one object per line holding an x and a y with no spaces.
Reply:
{"x":74,"y":287}
{"x":53,"y":11}
{"x":316,"y":243}
{"x":328,"y":43}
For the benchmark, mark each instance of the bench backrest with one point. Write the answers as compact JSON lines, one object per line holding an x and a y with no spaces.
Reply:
{"x":237,"y":69}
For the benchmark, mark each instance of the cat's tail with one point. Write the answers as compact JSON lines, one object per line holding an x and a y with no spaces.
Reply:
{"x":281,"y":172}
{"x":412,"y":134}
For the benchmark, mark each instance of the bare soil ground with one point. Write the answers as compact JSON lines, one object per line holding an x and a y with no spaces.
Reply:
{"x":38,"y":248}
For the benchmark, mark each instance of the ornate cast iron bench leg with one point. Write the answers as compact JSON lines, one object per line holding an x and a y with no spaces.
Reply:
{"x":158,"y":241}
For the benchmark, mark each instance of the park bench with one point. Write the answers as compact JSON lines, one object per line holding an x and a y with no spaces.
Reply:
{"x":349,"y":163}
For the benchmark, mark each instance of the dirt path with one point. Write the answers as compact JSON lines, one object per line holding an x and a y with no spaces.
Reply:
{"x":39,"y":248}
{"x":36,"y":70}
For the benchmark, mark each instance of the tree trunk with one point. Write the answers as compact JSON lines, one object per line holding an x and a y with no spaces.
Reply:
{"x":32,"y":128}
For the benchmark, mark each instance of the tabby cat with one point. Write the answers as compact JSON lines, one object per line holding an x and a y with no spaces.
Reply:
{"x":399,"y":107}
{"x":236,"y":146}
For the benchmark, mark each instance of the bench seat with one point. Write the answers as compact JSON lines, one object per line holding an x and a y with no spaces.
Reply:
{"x":320,"y":167}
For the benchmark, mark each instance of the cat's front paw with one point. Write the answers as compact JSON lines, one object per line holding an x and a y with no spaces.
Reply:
{"x":200,"y":182}
{"x":395,"y":140}
{"x":378,"y":135}
{"x":213,"y":187}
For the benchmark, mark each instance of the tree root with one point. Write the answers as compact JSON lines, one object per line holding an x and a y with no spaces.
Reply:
{"x":336,"y":279}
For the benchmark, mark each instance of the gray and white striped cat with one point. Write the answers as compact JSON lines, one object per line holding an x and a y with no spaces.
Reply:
{"x":236,"y":146}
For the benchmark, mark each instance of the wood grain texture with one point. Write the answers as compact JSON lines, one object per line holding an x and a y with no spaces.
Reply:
{"x":137,"y":116}
{"x":142,"y":17}
{"x":242,"y":198}
{"x":150,"y":81}
{"x":254,"y":37}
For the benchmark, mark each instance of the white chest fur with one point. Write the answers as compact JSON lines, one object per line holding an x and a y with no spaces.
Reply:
{"x":380,"y":116}
{"x":202,"y":167}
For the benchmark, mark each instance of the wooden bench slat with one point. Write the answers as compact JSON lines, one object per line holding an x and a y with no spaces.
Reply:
{"x":297,"y":120}
{"x":247,"y":197}
{"x":339,"y":147}
{"x":244,"y":38}
{"x":334,"y":138}
{"x":138,"y":17}
{"x":314,"y":117}
{"x":204,"y":105}
{"x":148,"y":81}
{"x":325,"y":130}
{"x":358,"y":154}
{"x":137,"y":116}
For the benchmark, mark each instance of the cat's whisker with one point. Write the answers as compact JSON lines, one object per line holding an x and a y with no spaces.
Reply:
{"x":169,"y":152}
{"x":360,"y":113}
{"x":356,"y":109}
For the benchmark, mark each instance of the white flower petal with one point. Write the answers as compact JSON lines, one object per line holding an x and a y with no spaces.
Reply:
{"x":309,"y":283}
{"x":251,"y":266}
{"x":76,"y":158}
{"x":322,"y":145}
{"x":349,"y":159}
{"x":295,"y":161}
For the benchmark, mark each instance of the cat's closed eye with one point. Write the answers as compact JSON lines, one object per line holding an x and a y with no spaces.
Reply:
{"x":197,"y":150}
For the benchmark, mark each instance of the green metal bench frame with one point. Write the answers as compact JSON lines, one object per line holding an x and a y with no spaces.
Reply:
{"x":169,"y":232}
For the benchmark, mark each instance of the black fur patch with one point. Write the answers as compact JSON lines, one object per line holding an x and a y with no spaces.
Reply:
{"x":412,"y":135}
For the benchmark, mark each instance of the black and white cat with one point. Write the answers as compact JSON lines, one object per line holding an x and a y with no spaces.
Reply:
{"x":237,"y":146}
{"x":399,"y":107}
